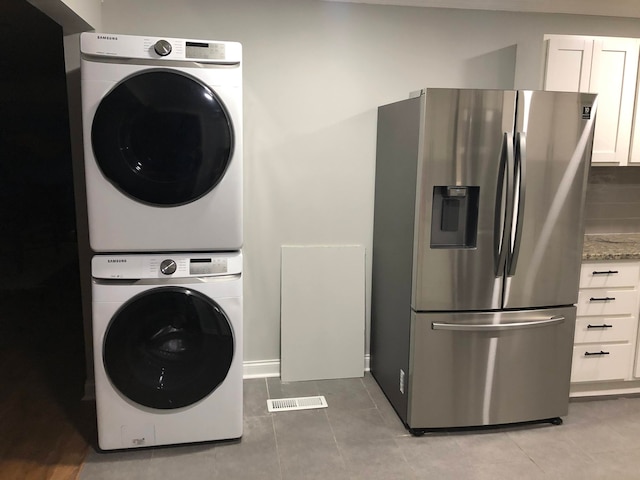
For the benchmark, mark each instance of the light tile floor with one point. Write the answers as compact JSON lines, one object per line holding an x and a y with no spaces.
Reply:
{"x":360,"y":437}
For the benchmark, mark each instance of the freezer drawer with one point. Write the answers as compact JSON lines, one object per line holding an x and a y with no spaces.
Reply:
{"x":489,"y":368}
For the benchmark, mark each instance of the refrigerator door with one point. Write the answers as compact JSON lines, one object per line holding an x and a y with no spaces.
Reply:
{"x":472,"y":369}
{"x":464,"y":152}
{"x":553,"y":140}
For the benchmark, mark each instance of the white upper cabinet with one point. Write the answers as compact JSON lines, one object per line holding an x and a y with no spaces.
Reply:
{"x":614,"y":70}
{"x":634,"y":156}
{"x":607,"y":66}
{"x":568,"y":67}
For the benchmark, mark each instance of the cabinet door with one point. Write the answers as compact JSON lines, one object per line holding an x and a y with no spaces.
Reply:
{"x":634,"y":156}
{"x":613,"y":77}
{"x":568,"y":66}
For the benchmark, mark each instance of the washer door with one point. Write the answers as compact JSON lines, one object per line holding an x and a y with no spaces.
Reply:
{"x":162,"y":138}
{"x":168,"y":348}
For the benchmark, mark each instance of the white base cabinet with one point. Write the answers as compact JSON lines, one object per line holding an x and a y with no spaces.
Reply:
{"x":605,"y":352}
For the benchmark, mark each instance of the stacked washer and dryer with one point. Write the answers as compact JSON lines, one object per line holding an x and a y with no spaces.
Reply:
{"x":162,"y":121}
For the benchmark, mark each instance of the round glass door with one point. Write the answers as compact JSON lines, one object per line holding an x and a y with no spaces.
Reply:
{"x":162,"y":138}
{"x":168,"y":347}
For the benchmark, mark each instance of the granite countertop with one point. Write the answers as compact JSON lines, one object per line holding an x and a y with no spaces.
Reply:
{"x":618,"y":246}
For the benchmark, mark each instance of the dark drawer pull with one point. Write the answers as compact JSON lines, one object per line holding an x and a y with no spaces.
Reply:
{"x":601,"y":299}
{"x":604,"y":325}
{"x":590,"y":354}
{"x":608,"y":272}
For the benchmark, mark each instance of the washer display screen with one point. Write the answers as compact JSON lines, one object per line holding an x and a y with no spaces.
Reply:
{"x":162,"y":137}
{"x":168,"y":347}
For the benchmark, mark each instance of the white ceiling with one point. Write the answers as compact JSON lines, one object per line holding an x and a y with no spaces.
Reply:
{"x":609,"y":8}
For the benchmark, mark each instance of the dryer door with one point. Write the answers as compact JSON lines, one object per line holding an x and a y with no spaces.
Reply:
{"x":168,"y":347}
{"x":162,"y":138}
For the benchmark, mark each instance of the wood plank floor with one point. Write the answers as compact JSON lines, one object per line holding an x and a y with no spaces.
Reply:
{"x":44,"y":426}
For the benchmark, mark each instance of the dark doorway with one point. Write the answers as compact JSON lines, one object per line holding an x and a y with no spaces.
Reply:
{"x":42,"y":363}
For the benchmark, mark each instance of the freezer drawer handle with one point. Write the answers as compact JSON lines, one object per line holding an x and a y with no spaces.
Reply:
{"x":601,"y":299}
{"x":604,"y":325}
{"x":608,"y":272}
{"x":492,"y":327}
{"x":591,"y":354}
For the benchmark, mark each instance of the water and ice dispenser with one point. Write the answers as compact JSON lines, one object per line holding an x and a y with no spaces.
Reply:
{"x":454,"y":219}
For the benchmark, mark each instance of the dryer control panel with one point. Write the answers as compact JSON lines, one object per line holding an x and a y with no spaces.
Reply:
{"x":153,"y":48}
{"x":179,"y":265}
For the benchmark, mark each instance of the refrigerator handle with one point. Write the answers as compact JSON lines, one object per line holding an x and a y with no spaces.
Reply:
{"x":520,"y":173}
{"x":504,"y":206}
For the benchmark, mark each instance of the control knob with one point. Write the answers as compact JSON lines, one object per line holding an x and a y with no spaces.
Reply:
{"x":168,"y":267}
{"x":162,"y":48}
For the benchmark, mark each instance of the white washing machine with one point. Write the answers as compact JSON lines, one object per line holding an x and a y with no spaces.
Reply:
{"x":162,"y":121}
{"x":167,"y":339}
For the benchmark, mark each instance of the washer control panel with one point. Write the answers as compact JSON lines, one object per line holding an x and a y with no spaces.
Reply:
{"x":208,"y":266}
{"x":134,"y":267}
{"x":168,"y":267}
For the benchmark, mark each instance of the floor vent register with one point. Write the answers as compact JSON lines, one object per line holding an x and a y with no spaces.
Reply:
{"x":300,"y":403}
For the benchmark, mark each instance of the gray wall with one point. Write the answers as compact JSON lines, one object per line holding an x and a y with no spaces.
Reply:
{"x":613,"y":200}
{"x":314,"y":74}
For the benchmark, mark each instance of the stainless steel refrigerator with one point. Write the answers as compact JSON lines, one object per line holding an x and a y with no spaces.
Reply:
{"x":478,"y":233}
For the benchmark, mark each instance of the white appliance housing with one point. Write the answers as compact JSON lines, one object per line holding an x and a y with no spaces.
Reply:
{"x":162,"y":122}
{"x":167,"y":339}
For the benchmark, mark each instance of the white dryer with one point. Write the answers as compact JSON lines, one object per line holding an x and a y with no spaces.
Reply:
{"x":167,"y":339}
{"x":162,"y":122}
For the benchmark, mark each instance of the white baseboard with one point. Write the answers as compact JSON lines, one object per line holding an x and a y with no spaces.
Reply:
{"x":261,"y":368}
{"x":271,"y":368}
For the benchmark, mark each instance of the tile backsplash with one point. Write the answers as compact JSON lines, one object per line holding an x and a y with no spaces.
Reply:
{"x":613,"y":200}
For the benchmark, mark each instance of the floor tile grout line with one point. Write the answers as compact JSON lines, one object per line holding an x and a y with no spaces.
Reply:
{"x":377,"y":407}
{"x":412,"y":467}
{"x":275,"y":439}
{"x":335,"y":440}
{"x":273,"y":428}
{"x":369,"y":393}
{"x":266,"y":382}
{"x":531,"y":459}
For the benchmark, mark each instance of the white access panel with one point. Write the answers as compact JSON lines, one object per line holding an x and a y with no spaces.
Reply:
{"x":322,"y":312}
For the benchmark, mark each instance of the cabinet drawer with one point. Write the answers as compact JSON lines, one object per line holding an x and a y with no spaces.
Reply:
{"x":619,"y":302}
{"x":604,"y":329}
{"x":612,"y":364}
{"x":609,"y":274}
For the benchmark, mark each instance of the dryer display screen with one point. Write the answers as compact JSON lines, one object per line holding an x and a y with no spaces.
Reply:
{"x":211,"y":51}
{"x":207,"y":266}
